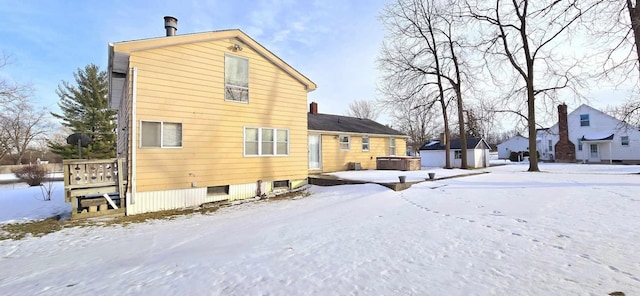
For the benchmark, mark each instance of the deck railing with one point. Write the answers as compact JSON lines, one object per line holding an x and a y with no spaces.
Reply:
{"x":87,"y":179}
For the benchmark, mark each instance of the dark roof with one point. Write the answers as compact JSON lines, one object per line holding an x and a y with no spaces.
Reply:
{"x":455,"y":144}
{"x":587,"y":138}
{"x":338,"y":123}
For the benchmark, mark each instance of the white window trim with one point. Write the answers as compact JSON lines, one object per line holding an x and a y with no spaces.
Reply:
{"x":622,"y":142}
{"x":368,"y":143}
{"x":161,"y":135}
{"x":348,"y":142}
{"x":275,"y":142}
{"x":236,"y":86}
{"x":392,"y":144}
{"x":588,"y":121}
{"x":457,"y":154}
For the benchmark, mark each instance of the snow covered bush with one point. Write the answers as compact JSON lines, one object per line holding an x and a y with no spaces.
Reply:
{"x":32,"y":174}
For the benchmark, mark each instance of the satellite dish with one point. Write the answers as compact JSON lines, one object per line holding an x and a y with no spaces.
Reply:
{"x":80,"y":139}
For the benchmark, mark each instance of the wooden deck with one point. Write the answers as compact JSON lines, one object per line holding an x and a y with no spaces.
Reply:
{"x":94,"y":187}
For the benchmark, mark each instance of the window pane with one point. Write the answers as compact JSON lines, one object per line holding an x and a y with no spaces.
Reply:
{"x":251,"y":134}
{"x":251,"y":148}
{"x":251,"y":141}
{"x":267,"y":148}
{"x":150,"y":134}
{"x":233,"y":93}
{"x":283,"y":136}
{"x":172,"y":134}
{"x":267,"y":141}
{"x":267,"y":135}
{"x":283,"y":141}
{"x":236,"y":71}
{"x":282,"y":149}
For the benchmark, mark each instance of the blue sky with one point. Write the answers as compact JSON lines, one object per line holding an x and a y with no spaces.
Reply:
{"x":334,"y":43}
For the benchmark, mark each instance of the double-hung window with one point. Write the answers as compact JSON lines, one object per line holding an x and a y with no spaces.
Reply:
{"x":345,"y":142}
{"x":392,"y":146}
{"x":550,"y":146}
{"x":365,"y":143}
{"x":584,"y":119}
{"x":261,"y":141}
{"x":160,"y":134}
{"x":624,"y":140}
{"x":236,"y":79}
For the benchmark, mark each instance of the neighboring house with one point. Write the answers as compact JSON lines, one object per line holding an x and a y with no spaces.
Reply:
{"x":432,"y":153}
{"x":516,"y":143}
{"x":589,"y":135}
{"x":206,"y":117}
{"x":336,"y":141}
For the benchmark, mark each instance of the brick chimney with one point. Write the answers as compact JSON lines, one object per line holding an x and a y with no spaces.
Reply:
{"x":313,"y":108}
{"x":565,"y":149}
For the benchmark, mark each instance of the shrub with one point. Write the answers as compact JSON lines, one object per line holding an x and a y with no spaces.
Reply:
{"x":515,"y":156}
{"x":32,"y":174}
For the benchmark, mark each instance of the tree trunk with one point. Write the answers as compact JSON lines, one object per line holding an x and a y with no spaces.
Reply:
{"x":463,"y":133}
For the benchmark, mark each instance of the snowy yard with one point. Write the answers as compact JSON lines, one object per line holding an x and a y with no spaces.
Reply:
{"x":571,"y":230}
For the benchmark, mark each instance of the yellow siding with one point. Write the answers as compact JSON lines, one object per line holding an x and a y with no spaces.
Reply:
{"x":185,"y":83}
{"x":335,"y":159}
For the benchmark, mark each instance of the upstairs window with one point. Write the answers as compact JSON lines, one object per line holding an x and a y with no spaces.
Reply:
{"x":584,"y":119}
{"x":550,"y":146}
{"x":236,"y":79}
{"x":158,"y":134}
{"x":365,"y":143}
{"x":624,"y":140}
{"x":392,"y":146}
{"x":345,"y":142}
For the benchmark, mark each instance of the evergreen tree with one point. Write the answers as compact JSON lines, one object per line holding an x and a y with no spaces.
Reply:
{"x":85,"y":110}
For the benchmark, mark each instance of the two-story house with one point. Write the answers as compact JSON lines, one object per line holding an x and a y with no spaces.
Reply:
{"x":589,"y":135}
{"x":206,"y":117}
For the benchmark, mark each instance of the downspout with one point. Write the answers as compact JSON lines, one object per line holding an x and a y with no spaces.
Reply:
{"x":610,"y":153}
{"x":134,"y":131}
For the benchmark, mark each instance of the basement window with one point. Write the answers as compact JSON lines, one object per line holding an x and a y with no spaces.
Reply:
{"x":218,"y":190}
{"x":281,"y":184}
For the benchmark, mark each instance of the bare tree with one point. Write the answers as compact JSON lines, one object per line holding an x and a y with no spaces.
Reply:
{"x":617,"y":28}
{"x":526,"y":35}
{"x":421,"y":59}
{"x":21,"y":123}
{"x":11,"y":95}
{"x":363,"y":109}
{"x":417,"y":120}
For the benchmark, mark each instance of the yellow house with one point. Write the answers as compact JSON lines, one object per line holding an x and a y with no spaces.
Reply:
{"x":339,"y":143}
{"x":206,"y":117}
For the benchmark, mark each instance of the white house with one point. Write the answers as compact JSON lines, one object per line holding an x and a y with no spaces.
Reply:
{"x":516,"y":143}
{"x":596,"y":136}
{"x":432,"y":153}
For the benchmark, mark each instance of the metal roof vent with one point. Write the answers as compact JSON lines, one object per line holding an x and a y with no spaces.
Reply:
{"x":171,"y":25}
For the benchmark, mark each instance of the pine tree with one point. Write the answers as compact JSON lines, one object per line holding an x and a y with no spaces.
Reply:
{"x":85,"y":110}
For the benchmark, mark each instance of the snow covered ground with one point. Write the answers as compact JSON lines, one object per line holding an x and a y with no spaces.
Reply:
{"x":571,"y":230}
